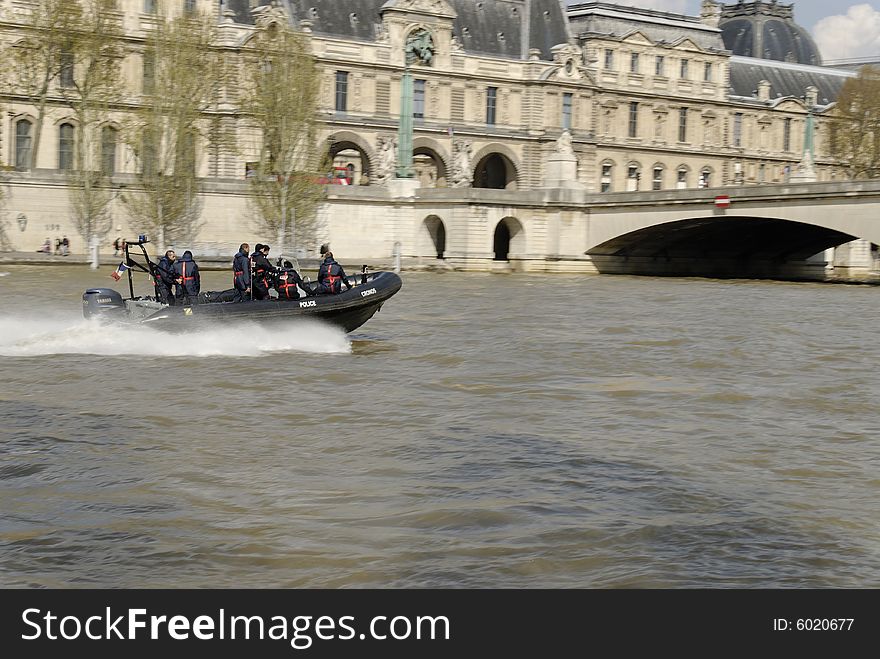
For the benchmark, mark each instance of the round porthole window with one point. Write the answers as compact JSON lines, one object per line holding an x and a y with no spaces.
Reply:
{"x":569,"y":67}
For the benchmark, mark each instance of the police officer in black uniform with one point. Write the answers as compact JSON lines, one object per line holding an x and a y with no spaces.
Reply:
{"x":331,"y":276}
{"x":241,"y":273}
{"x":187,"y":278}
{"x":164,"y":278}
{"x":286,"y":282}
{"x":264,"y":272}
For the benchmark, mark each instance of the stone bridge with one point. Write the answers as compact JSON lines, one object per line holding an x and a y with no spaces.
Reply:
{"x":772,"y":231}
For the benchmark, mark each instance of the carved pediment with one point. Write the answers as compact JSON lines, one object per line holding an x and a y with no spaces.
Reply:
{"x":430,"y":7}
{"x":791,"y":105}
{"x":637,"y":38}
{"x":686,"y":44}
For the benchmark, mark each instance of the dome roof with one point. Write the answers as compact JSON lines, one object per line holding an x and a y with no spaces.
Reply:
{"x":767,"y":30}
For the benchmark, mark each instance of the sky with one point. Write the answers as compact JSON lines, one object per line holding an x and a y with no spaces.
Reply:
{"x":843,"y":29}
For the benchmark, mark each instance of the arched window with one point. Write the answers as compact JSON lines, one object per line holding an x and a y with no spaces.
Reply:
{"x":657,"y":178}
{"x":633,"y":176}
{"x":23,"y":140}
{"x":65,"y":146}
{"x":681,"y":178}
{"x":706,"y":177}
{"x":607,"y":173}
{"x":109,"y":137}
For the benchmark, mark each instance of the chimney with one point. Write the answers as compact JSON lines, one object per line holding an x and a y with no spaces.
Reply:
{"x":764,"y":90}
{"x":710,"y":13}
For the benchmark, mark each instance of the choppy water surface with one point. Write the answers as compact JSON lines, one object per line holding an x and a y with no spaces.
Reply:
{"x":480,"y":431}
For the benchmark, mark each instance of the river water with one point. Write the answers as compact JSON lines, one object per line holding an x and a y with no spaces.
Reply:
{"x":480,"y":431}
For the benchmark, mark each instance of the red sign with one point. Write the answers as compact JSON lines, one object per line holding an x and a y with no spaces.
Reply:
{"x":722,"y":201}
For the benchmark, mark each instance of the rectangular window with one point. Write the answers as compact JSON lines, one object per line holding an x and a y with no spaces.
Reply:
{"x":681,"y":179}
{"x":786,"y":135}
{"x":342,"y":91}
{"x":566,"y":111}
{"x":632,"y":178}
{"x":65,"y":77}
{"x":682,"y":124}
{"x":491,"y":102}
{"x":150,"y":6}
{"x":633,"y":119}
{"x":683,"y":74}
{"x":149,"y":73}
{"x":23,"y":144}
{"x":609,"y":59}
{"x":634,"y":63}
{"x":707,"y":72}
{"x":419,"y":99}
{"x":660,"y":65}
{"x":737,"y":129}
{"x":657,"y":181}
{"x":606,"y":178}
{"x":189,"y":6}
{"x":65,"y":146}
{"x":108,"y":150}
{"x":762,"y":173}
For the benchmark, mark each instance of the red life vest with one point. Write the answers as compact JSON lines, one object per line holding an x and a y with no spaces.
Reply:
{"x":287,"y":288}
{"x":333,"y":281}
{"x":184,"y":278}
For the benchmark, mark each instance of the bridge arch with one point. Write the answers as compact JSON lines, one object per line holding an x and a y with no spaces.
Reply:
{"x":718,"y":246}
{"x":496,"y":168}
{"x":431,"y":162}
{"x":432,"y":237}
{"x":346,"y":141}
{"x":508,"y":239}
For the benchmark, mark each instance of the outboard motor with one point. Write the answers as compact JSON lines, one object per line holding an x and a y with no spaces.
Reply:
{"x":102,"y":302}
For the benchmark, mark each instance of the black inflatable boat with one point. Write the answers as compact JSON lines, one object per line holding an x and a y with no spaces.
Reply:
{"x":348,"y":310}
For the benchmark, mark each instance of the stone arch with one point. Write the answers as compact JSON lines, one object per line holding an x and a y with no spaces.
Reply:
{"x":496,"y":167}
{"x":508,"y":239}
{"x":344,"y":140}
{"x":433,"y":174}
{"x":432,"y":237}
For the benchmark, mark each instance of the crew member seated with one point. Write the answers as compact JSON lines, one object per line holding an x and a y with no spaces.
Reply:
{"x":286,"y":282}
{"x":331,"y":276}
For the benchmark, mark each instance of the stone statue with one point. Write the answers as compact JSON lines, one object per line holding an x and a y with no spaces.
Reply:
{"x":420,"y":48}
{"x":387,"y":158}
{"x":462,"y":176}
{"x":563,"y":144}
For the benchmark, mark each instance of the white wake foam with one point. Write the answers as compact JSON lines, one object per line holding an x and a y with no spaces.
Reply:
{"x":58,"y":334}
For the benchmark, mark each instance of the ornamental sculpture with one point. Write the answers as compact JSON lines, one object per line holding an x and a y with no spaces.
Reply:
{"x":420,"y":48}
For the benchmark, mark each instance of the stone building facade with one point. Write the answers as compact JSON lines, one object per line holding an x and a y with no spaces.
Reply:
{"x":511,"y":95}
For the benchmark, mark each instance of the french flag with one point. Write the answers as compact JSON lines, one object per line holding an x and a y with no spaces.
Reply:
{"x":120,"y":269}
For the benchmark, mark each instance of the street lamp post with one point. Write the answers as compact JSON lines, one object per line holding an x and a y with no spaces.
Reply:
{"x":405,"y":130}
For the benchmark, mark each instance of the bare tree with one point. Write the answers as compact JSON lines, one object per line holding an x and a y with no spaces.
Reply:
{"x":856,"y":125}
{"x":180,"y":78}
{"x":43,"y":56}
{"x":90,"y":88}
{"x":280,"y":95}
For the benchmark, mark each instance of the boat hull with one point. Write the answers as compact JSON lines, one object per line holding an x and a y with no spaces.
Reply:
{"x":347,"y":310}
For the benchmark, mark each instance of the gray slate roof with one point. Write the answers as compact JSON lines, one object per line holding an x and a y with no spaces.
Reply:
{"x":785,"y":79}
{"x":490,"y":27}
{"x":771,"y":38}
{"x":608,"y":20}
